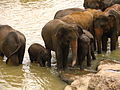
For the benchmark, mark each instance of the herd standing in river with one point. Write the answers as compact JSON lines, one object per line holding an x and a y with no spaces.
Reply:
{"x":79,"y":31}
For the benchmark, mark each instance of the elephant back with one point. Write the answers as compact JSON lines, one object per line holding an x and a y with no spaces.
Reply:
{"x":4,"y":30}
{"x":83,"y":19}
{"x":61,"y":13}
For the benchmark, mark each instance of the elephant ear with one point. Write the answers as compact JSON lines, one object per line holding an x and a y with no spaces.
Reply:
{"x":79,"y":30}
{"x":112,"y":18}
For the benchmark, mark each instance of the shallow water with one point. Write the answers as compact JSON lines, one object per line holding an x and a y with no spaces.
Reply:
{"x":29,"y":16}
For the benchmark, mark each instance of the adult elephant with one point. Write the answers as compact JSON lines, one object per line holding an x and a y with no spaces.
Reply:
{"x":64,"y":12}
{"x":59,"y":36}
{"x":107,"y":26}
{"x":114,"y":10}
{"x":84,"y":19}
{"x":12,"y":45}
{"x":100,"y":4}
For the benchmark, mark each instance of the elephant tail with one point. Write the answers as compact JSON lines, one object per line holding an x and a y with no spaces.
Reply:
{"x":14,"y":34}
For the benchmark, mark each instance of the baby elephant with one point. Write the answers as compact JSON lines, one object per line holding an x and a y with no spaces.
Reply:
{"x":38,"y":54}
{"x":85,"y":49}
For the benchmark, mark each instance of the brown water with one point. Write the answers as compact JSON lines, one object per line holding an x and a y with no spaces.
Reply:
{"x":29,"y":16}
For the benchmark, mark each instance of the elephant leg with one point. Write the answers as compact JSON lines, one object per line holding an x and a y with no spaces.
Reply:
{"x":92,"y":52}
{"x":81,"y":59}
{"x":113,"y":43}
{"x":99,"y":46}
{"x":104,"y":43}
{"x":89,"y":57}
{"x":49,"y":61}
{"x":13,"y":60}
{"x":65,"y":56}
{"x":21,"y":54}
{"x":31,"y":58}
{"x":1,"y":54}
{"x":43,"y":62}
{"x":59,"y":57}
{"x":40,"y":61}
{"x":94,"y":45}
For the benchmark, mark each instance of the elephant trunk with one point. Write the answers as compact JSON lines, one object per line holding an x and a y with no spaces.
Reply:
{"x":74,"y":51}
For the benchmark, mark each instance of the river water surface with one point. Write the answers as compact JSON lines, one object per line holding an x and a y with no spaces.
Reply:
{"x":29,"y":16}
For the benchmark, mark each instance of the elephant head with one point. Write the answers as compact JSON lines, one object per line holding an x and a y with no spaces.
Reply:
{"x":68,"y":35}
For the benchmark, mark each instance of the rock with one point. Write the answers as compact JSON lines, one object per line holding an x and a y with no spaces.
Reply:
{"x":106,"y":78}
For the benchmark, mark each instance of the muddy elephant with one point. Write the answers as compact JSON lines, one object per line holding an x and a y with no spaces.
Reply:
{"x":100,"y":4}
{"x":39,"y":54}
{"x":12,"y":45}
{"x":105,"y":27}
{"x":59,"y":36}
{"x":64,"y":12}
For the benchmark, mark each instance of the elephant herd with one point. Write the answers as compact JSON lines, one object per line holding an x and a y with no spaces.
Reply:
{"x":79,"y":31}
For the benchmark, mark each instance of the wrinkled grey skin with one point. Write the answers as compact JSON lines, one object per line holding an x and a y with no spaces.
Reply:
{"x":85,"y":44}
{"x":39,"y":54}
{"x":64,"y":12}
{"x":59,"y":36}
{"x":12,"y":45}
{"x":99,"y":4}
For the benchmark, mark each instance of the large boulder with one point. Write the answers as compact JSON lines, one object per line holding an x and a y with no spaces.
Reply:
{"x":99,"y":4}
{"x":106,"y":78}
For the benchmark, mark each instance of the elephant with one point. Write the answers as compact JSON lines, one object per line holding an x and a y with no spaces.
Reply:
{"x":91,"y":37}
{"x":115,"y":10}
{"x":84,"y":19}
{"x":12,"y":45}
{"x":99,"y":4}
{"x":105,"y":27}
{"x":59,"y":36}
{"x":84,"y":50}
{"x":38,"y":54}
{"x":64,"y":12}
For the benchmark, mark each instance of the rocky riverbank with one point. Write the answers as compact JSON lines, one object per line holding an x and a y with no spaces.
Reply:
{"x":106,"y":77}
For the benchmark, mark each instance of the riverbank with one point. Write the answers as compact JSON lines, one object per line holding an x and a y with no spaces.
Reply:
{"x":105,"y":77}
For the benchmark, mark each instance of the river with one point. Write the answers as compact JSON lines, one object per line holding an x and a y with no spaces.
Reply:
{"x":28,"y":17}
